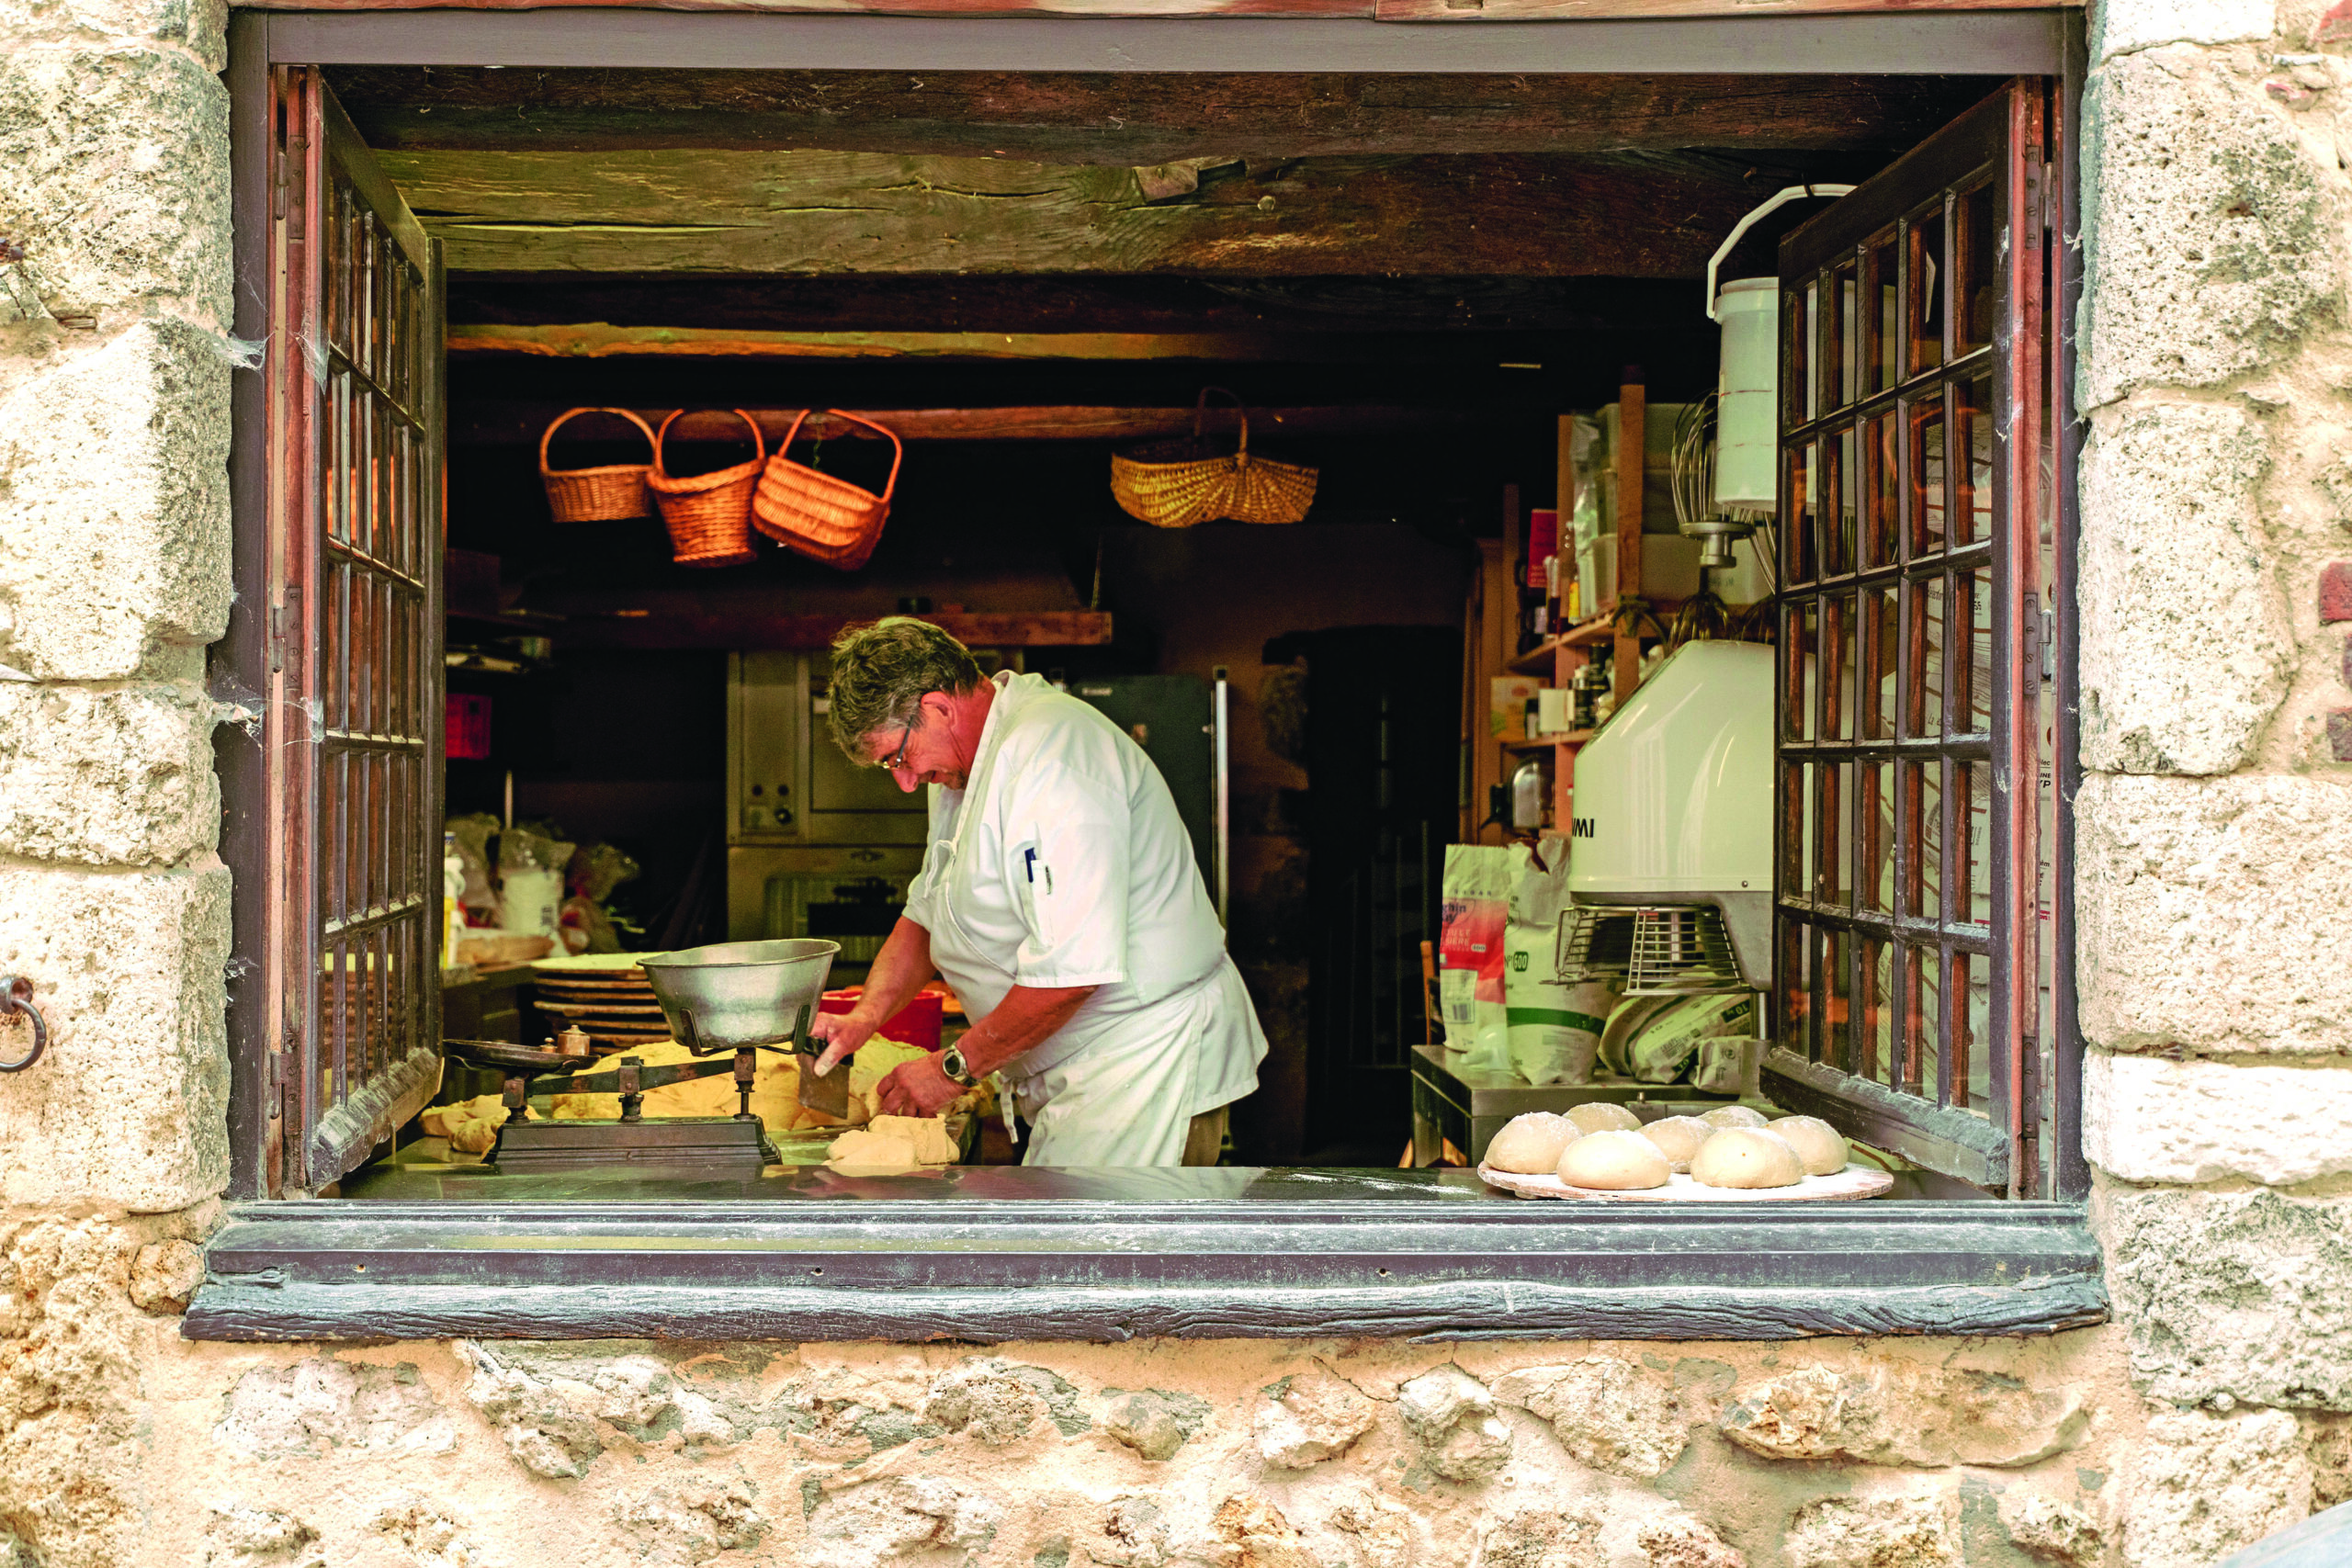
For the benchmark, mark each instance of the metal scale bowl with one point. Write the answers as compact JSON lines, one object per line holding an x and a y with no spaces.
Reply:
{"x":734,"y":997}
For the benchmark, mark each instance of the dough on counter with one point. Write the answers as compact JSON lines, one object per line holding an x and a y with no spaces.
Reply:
{"x":1604,"y":1116}
{"x":1678,"y":1138}
{"x":872,"y":1154}
{"x":1531,"y":1145}
{"x":1747,"y":1158}
{"x":1820,"y":1146}
{"x":1733,"y":1116}
{"x":927,"y":1135}
{"x":1614,"y":1160}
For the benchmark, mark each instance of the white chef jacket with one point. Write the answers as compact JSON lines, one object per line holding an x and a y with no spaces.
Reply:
{"x":1063,"y":863}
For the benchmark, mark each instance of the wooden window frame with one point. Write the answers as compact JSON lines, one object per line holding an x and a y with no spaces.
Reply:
{"x":1009,"y":1254}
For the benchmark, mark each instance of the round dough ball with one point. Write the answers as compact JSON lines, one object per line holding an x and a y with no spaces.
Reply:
{"x":1678,"y":1138}
{"x":1614,"y":1160}
{"x":1746,"y":1157}
{"x":1531,"y":1145}
{"x":1601,"y":1116}
{"x":1820,"y":1146}
{"x":1733,"y":1116}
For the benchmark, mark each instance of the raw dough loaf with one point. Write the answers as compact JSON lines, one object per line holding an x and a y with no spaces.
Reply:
{"x":872,"y":1154}
{"x":1602,"y":1116}
{"x":1531,"y":1145}
{"x":927,"y":1135}
{"x":1614,"y":1160}
{"x":1820,"y":1146}
{"x":1677,"y":1137}
{"x":1746,"y":1157}
{"x":1733,"y":1116}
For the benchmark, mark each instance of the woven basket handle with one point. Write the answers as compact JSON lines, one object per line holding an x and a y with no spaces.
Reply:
{"x":897,"y":448}
{"x":549,"y":435}
{"x":1241,"y":411}
{"x":758,"y":444}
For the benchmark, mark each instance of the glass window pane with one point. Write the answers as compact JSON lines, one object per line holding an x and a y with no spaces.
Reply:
{"x":1842,"y":367}
{"x":1924,"y":284}
{"x":1880,"y":504}
{"x":1973,"y":870}
{"x":1875,"y":1036}
{"x":1836,"y":992}
{"x":1874,"y":813}
{"x":1975,"y":264}
{"x":1796,"y":347}
{"x":1881,"y":334}
{"x":1923,"y":662}
{"x":1918,"y":851}
{"x":1835,"y":887}
{"x":1876,"y":638}
{"x":1796,"y":988}
{"x":1922,"y":1021}
{"x":1807,"y":717}
{"x":1971,"y":1032}
{"x":1972,"y":506}
{"x":1796,"y":650}
{"x":1925,"y":420}
{"x":1843,"y":502}
{"x":1838,"y":666}
{"x":1796,"y":871}
{"x":1799,"y":550}
{"x":1972,"y":609}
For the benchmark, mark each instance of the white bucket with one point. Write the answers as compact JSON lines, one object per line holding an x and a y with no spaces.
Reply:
{"x":1746,"y":422}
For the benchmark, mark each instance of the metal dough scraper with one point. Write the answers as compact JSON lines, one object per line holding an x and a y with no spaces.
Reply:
{"x":829,"y":1094}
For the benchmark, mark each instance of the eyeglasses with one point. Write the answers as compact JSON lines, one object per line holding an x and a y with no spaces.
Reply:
{"x":897,"y":759}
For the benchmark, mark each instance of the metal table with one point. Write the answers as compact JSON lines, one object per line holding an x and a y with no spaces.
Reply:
{"x":1451,"y":1102}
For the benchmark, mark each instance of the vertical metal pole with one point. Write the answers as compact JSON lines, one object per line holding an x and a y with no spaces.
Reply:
{"x":1218,"y":723}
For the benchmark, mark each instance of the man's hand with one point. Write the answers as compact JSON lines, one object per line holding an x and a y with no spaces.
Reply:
{"x":916,"y":1088}
{"x":842,"y":1033}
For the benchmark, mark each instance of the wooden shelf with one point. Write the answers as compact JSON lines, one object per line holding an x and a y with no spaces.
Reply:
{"x":1537,"y":661}
{"x":1567,"y":737}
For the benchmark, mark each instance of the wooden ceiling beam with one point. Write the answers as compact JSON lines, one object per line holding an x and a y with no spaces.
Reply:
{"x":669,"y":630}
{"x":1129,"y":119}
{"x":509,"y":425}
{"x":692,"y":211}
{"x":598,"y":340}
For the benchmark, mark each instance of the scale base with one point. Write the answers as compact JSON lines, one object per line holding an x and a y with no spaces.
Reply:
{"x":717,"y":1145}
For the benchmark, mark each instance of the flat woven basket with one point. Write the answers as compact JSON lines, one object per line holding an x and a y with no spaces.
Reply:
{"x":1174,"y":484}
{"x":821,"y":516}
{"x":708,"y":515}
{"x":596,"y":495}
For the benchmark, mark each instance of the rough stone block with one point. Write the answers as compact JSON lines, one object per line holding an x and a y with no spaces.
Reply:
{"x":692,"y":1521}
{"x":1155,"y":1422}
{"x":200,"y":27}
{"x":241,"y":1537}
{"x":114,"y":564}
{"x":121,"y":776}
{"x":1873,"y":1532}
{"x":2207,"y":234}
{"x":2212,"y":913}
{"x":1306,"y":1419}
{"x":1608,"y":1413}
{"x":2119,"y":27}
{"x":1453,"y":1416}
{"x":164,"y":1274}
{"x":2148,"y":1119}
{"x":996,"y":1401}
{"x":2172,"y":549}
{"x":912,"y":1515}
{"x":2051,"y":1530}
{"x":114,"y":173}
{"x":128,"y":1107}
{"x":1686,"y":1544}
{"x":1901,"y":1414}
{"x":325,"y":1403}
{"x":2339,"y":732}
{"x":2198,"y":1487}
{"x":2245,"y":1296}
{"x":2335,"y":593}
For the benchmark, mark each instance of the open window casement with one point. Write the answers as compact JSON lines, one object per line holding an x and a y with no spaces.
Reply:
{"x":353,"y":726}
{"x":1916,"y":519}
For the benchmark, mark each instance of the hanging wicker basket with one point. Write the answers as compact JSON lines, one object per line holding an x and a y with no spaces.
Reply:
{"x":708,"y":515}
{"x":819,"y":515}
{"x":1174,"y":484}
{"x":596,"y":495}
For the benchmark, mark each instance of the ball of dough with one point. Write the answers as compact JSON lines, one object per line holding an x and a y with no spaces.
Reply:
{"x":1614,"y":1160}
{"x":1601,"y":1116}
{"x":1820,"y":1146}
{"x":1745,"y":1157}
{"x":1678,"y":1138}
{"x":1531,"y":1145}
{"x":1733,"y":1116}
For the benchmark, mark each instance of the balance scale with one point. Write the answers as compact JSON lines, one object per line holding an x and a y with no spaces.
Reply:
{"x":731,"y":998}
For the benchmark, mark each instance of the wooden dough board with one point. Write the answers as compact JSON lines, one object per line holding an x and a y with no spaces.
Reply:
{"x":1855,"y":1181}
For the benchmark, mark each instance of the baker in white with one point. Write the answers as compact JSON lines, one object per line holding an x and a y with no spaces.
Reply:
{"x":1061,"y":898}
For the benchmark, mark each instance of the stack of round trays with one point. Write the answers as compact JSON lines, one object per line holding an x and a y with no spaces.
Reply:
{"x":605,"y":994}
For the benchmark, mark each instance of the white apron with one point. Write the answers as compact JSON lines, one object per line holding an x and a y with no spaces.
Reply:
{"x":1154,"y":1045}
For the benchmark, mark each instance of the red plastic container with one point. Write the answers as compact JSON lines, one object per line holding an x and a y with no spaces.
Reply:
{"x":917,"y":1023}
{"x":466,"y":732}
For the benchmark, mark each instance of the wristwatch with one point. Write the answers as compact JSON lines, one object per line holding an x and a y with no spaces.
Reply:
{"x":952,"y":1062}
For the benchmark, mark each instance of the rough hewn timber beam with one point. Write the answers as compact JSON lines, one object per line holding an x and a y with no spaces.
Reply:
{"x":1040,"y":628}
{"x":1102,"y":118}
{"x":828,"y":212}
{"x":598,"y":340}
{"x":507,"y":424}
{"x":1384,"y":10}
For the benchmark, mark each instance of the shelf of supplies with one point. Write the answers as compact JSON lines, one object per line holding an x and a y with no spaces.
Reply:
{"x":1566,"y":737}
{"x":1537,"y":661}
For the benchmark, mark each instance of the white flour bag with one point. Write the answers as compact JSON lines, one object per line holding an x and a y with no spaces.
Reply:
{"x":1553,"y":1030}
{"x":1474,"y":908}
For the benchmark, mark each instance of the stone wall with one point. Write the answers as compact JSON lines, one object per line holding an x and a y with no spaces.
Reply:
{"x":2214,"y":884}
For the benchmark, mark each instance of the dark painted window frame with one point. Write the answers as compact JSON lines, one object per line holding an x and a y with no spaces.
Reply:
{"x":1379,"y":1257}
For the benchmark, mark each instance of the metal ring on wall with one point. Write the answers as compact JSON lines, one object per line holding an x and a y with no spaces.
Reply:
{"x":17,"y":997}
